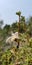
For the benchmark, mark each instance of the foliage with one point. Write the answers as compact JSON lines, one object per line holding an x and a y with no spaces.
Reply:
{"x":1,"y":23}
{"x":9,"y":54}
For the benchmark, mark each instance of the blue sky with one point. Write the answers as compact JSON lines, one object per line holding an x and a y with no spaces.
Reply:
{"x":8,"y":9}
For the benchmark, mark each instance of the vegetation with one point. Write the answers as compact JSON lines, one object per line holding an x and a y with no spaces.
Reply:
{"x":9,"y":54}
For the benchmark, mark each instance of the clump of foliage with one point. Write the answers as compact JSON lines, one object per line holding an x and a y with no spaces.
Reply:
{"x":11,"y":55}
